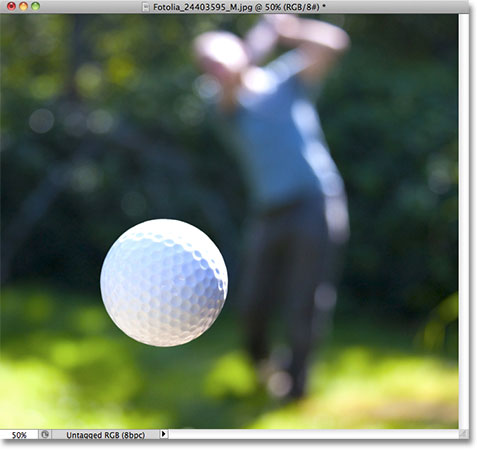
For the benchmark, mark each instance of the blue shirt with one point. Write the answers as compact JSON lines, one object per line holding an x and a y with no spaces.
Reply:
{"x":277,"y":137}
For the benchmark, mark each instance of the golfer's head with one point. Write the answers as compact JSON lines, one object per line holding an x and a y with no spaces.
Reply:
{"x":222,"y":55}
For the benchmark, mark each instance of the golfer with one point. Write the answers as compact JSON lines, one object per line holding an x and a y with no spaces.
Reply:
{"x":299,"y":223}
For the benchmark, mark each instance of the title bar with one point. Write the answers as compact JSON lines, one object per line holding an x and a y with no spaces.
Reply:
{"x":232,"y":7}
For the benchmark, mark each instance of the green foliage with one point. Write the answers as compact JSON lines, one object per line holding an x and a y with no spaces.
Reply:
{"x":443,"y":320}
{"x":390,"y":115}
{"x":124,"y":139}
{"x":75,"y":369}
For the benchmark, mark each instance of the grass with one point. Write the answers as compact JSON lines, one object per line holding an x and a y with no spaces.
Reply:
{"x":64,"y":364}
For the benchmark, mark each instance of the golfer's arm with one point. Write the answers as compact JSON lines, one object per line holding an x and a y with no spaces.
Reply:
{"x":320,"y":43}
{"x":260,"y":41}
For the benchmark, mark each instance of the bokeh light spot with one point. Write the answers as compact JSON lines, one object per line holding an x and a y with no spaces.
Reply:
{"x":41,"y":120}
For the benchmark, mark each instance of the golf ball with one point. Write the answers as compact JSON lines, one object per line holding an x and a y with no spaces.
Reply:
{"x":164,"y":282}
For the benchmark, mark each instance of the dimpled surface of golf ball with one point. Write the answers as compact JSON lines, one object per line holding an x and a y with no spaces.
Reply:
{"x":164,"y":282}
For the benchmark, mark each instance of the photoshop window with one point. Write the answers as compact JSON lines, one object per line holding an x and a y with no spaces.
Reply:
{"x":234,"y":220}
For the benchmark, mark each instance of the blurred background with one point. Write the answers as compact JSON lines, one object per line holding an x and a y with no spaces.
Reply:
{"x":103,"y":127}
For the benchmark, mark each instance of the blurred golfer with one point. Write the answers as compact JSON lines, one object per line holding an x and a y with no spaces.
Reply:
{"x":300,"y":219}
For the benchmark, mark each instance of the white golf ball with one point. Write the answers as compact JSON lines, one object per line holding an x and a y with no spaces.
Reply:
{"x":164,"y":282}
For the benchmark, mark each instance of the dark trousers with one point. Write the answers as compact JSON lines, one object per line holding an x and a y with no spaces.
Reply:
{"x":292,"y":259}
